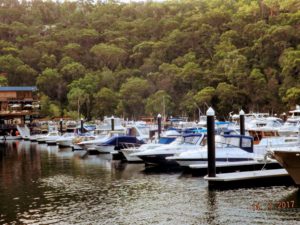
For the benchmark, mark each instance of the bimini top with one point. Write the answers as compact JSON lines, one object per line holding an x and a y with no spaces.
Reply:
{"x":18,"y":88}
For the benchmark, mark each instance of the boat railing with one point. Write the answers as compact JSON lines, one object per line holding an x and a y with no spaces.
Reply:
{"x":130,"y":145}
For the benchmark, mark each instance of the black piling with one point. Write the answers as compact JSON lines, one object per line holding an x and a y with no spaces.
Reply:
{"x":242,"y":122}
{"x":61,"y":126}
{"x":211,"y":155}
{"x":159,"y":124}
{"x":112,"y":123}
{"x":81,"y":125}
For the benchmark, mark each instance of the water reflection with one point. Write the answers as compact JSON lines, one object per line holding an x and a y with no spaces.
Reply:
{"x":42,"y":184}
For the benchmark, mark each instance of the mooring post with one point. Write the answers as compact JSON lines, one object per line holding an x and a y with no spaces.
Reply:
{"x":284,"y":117}
{"x":81,"y":125}
{"x":211,"y":155}
{"x":61,"y":126}
{"x":242,"y":122}
{"x":112,"y":123}
{"x":159,"y":124}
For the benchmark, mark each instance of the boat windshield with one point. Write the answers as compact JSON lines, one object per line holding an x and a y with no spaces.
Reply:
{"x":290,"y":124}
{"x":191,"y":139}
{"x":166,"y":140}
{"x":144,"y":130}
{"x":68,"y":135}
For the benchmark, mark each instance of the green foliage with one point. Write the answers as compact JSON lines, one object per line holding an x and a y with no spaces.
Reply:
{"x":49,"y":81}
{"x":72,"y":71}
{"x":106,"y":102}
{"x":3,"y":81}
{"x":25,"y":75}
{"x":205,"y":96}
{"x":292,"y":96}
{"x":159,"y":102}
{"x":224,"y":53}
{"x":49,"y":108}
{"x":133,"y":94}
{"x":108,"y":55}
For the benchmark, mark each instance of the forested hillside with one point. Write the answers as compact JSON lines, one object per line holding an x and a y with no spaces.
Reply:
{"x":142,"y":58}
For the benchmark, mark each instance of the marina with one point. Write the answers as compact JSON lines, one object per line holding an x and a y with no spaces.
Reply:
{"x":150,"y":112}
{"x":44,"y":184}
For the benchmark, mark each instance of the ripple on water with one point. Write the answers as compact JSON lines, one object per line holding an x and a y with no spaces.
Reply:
{"x":153,"y":200}
{"x":72,"y":191}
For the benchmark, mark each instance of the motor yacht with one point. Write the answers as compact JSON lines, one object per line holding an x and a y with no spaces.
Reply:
{"x":289,"y":158}
{"x":158,"y":155}
{"x":167,"y":137}
{"x":229,"y":148}
{"x":65,"y":140}
{"x":49,"y":136}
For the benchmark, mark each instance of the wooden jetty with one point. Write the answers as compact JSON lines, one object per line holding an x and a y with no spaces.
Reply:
{"x":221,"y":167}
{"x":257,"y":178}
{"x":262,"y":177}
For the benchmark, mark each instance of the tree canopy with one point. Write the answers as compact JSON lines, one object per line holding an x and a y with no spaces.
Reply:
{"x":141,"y":58}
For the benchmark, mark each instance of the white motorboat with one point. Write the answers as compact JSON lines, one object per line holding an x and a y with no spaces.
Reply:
{"x":289,"y":158}
{"x":116,"y":143}
{"x":233,"y":148}
{"x":290,"y":128}
{"x":131,"y":149}
{"x":51,"y":140}
{"x":44,"y":138}
{"x":66,"y":140}
{"x":229,"y":148}
{"x":34,"y":137}
{"x":10,"y":137}
{"x":158,"y":155}
{"x":168,"y":137}
{"x":140,"y":131}
{"x":92,"y":143}
{"x":81,"y":138}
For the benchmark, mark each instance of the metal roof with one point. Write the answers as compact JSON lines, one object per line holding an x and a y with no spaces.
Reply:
{"x":18,"y":88}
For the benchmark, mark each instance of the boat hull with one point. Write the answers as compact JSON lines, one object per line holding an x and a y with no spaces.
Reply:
{"x":158,"y":159}
{"x":128,"y":155}
{"x":197,"y":161}
{"x":290,"y":160}
{"x":10,"y":138}
{"x":105,"y":149}
{"x":64,"y":144}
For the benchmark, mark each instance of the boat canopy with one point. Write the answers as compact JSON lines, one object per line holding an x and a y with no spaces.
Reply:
{"x":240,"y":141}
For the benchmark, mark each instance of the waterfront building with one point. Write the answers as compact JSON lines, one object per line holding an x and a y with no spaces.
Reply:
{"x":18,"y":106}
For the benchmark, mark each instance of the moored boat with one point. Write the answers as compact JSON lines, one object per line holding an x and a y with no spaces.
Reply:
{"x":289,"y":158}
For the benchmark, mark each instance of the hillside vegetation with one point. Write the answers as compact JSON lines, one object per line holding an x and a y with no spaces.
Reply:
{"x":146,"y":58}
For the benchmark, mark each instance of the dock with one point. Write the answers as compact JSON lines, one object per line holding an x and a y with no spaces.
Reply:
{"x":261,"y":178}
{"x":221,"y":167}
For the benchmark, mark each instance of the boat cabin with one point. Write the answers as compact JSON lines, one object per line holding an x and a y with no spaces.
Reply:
{"x":240,"y":141}
{"x":258,"y":134}
{"x":295,"y":114}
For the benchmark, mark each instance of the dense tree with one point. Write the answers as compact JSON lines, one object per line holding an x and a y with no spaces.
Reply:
{"x":108,"y":55}
{"x":159,"y":102}
{"x":50,"y":82}
{"x":106,"y":102}
{"x":133,"y":94}
{"x":223,"y":53}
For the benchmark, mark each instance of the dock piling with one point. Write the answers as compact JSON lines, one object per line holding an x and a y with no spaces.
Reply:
{"x":112,"y":123}
{"x":159,"y":124}
{"x":81,"y":125}
{"x":211,"y":155}
{"x":242,"y":122}
{"x":61,"y":126}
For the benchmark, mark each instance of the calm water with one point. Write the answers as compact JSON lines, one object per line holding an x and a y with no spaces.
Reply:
{"x":41,"y":184}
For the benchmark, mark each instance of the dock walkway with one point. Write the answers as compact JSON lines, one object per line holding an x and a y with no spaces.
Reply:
{"x":261,"y":178}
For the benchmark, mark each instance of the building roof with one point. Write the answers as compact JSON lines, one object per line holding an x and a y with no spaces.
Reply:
{"x":18,"y":88}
